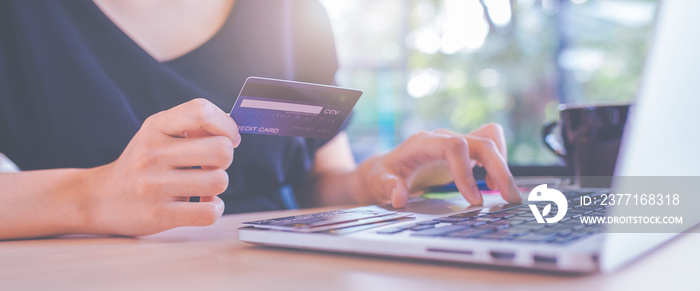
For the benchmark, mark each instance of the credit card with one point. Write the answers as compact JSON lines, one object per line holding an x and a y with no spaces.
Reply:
{"x":288,"y":108}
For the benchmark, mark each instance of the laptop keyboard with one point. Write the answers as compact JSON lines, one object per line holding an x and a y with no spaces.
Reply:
{"x":511,"y":222}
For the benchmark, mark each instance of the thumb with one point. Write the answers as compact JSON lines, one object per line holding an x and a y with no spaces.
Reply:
{"x":396,"y":189}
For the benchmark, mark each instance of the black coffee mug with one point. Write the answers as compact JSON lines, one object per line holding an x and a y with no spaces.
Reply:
{"x":591,"y":138}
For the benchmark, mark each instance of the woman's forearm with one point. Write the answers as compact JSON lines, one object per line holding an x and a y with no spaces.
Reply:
{"x":177,"y":153}
{"x":44,"y":203}
{"x":335,"y":179}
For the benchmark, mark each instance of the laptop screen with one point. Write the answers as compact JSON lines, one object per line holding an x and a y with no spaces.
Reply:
{"x":659,"y":139}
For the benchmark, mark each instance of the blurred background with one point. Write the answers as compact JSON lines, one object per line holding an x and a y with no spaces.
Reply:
{"x":456,"y":64}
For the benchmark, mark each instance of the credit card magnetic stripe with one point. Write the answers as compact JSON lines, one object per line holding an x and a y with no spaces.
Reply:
{"x":286,"y":108}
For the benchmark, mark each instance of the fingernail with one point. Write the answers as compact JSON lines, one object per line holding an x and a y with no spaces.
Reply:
{"x":514,"y":194}
{"x":476,"y":195}
{"x":237,"y":142}
{"x":398,"y":200}
{"x":220,"y":208}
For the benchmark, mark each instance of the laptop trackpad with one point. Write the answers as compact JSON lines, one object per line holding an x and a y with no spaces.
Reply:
{"x":443,"y":203}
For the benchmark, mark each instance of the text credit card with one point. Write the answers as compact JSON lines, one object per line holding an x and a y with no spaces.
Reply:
{"x":287,"y":108}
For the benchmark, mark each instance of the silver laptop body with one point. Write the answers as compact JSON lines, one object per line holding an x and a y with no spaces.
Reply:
{"x":666,"y":111}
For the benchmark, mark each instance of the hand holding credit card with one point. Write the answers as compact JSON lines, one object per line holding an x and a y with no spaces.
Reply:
{"x":288,"y":108}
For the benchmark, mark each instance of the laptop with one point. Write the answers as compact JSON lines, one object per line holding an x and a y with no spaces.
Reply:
{"x":658,"y":142}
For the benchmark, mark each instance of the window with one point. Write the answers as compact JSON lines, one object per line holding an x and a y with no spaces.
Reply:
{"x":427,"y":64}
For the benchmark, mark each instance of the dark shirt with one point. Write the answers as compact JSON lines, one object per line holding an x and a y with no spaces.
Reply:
{"x":74,"y":89}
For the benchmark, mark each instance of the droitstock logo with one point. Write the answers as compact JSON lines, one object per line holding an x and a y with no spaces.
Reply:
{"x":542,"y":194}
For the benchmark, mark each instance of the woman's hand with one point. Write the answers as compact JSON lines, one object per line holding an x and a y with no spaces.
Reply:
{"x":438,"y":157}
{"x":147,"y":189}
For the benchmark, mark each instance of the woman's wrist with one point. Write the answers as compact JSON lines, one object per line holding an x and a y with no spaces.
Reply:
{"x":44,"y":203}
{"x":85,"y":184}
{"x":75,"y":201}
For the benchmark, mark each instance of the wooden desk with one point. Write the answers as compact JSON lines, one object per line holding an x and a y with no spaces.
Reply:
{"x":212,"y":258}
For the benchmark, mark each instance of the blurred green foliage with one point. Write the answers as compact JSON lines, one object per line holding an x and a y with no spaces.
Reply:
{"x":550,"y":52}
